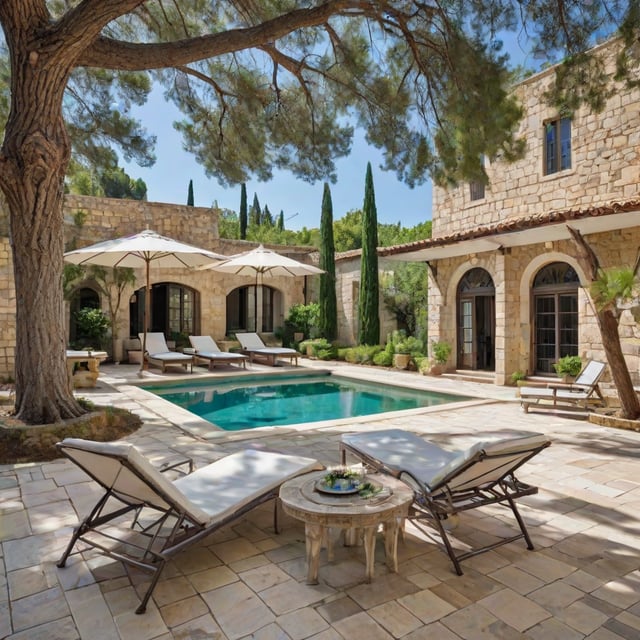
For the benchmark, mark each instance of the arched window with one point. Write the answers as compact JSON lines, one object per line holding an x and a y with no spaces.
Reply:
{"x":476,"y":320}
{"x":252,"y":309}
{"x":555,"y":315}
{"x":80,"y":299}
{"x":175,"y":310}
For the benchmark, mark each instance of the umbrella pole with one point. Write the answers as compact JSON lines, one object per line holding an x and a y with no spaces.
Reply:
{"x":255,"y":305}
{"x":146,"y":316}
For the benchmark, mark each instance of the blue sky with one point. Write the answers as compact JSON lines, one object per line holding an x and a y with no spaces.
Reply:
{"x":168,"y":180}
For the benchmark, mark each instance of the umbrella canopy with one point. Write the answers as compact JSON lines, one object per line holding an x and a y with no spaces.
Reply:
{"x":143,"y":249}
{"x":263,"y":262}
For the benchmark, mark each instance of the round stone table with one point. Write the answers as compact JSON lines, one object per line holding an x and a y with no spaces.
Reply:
{"x":320,"y":511}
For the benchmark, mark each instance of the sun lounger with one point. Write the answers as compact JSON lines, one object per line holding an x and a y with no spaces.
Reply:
{"x":158,"y":353}
{"x":583,"y":394}
{"x":447,"y":483}
{"x":206,"y":348}
{"x":254,"y":347}
{"x":165,"y":517}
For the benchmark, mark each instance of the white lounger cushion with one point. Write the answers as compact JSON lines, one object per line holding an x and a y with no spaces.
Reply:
{"x":253,"y":342}
{"x":544,"y":393}
{"x":404,"y":451}
{"x":206,"y":347}
{"x":205,"y":495}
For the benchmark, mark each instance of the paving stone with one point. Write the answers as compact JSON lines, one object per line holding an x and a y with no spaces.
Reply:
{"x":201,"y":628}
{"x":181,"y":611}
{"x":264,"y":577}
{"x":237,"y":610}
{"x":212,"y":578}
{"x":39,"y":608}
{"x":27,"y":581}
{"x":172,"y":590}
{"x":623,"y":592}
{"x":554,"y":629}
{"x":384,"y":589}
{"x":426,"y":606}
{"x":342,"y":607}
{"x":63,"y":629}
{"x":395,"y":619}
{"x":581,"y":617}
{"x":514,"y":610}
{"x":141,"y":627}
{"x":91,"y":614}
{"x":516,"y":579}
{"x":291,"y":595}
{"x":15,"y":524}
{"x":363,"y":626}
{"x":302,"y":623}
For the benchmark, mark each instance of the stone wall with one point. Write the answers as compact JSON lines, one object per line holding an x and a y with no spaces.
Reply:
{"x":347,"y":291}
{"x":89,"y":220}
{"x":605,"y":162}
{"x":513,"y":275}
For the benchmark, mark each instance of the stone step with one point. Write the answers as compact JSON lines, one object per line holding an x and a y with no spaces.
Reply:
{"x":467,"y":375}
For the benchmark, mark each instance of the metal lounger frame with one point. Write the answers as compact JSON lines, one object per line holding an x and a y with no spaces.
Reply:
{"x":435,"y":506}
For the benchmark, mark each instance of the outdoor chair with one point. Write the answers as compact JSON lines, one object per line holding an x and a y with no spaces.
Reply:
{"x":580,"y":395}
{"x":254,"y":347}
{"x":144,"y":519}
{"x":205,"y":347}
{"x":157,"y":353}
{"x":447,"y":483}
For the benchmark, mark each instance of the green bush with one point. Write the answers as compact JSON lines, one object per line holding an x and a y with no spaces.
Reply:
{"x":303,"y":318}
{"x":568,"y":366}
{"x":383,"y":358}
{"x":92,"y":326}
{"x":440,"y":351}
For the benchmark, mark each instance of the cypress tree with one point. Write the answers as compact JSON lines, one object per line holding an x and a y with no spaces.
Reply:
{"x":243,"y":211}
{"x":328,"y":320}
{"x":190,"y":194}
{"x":368,"y":318}
{"x":281,"y":221}
{"x":255,"y":215}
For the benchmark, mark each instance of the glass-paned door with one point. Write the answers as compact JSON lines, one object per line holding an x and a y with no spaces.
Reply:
{"x":555,"y":308}
{"x":466,"y":334}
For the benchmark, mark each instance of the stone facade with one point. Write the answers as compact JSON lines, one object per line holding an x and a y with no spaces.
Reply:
{"x":605,"y":169}
{"x":89,"y":220}
{"x":347,"y":291}
{"x":605,"y":166}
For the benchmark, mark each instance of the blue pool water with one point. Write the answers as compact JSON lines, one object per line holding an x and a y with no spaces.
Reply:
{"x":248,"y":403}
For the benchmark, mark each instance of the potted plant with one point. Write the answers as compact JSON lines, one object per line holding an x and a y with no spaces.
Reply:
{"x":568,"y":367}
{"x":440,"y":352}
{"x":405,"y":349}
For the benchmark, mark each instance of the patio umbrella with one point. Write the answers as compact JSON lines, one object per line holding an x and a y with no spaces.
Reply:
{"x":263,"y":262}
{"x":143,"y":249}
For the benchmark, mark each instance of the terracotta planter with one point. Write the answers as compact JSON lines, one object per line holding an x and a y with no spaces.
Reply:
{"x":401,"y":360}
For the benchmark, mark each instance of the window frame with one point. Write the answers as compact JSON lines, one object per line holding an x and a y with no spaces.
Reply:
{"x":560,"y":158}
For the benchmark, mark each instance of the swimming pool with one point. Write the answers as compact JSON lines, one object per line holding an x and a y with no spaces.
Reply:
{"x":261,"y":401}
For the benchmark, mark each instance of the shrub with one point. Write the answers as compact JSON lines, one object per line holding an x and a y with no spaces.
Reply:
{"x":568,"y":366}
{"x":440,"y":351}
{"x":383,"y":358}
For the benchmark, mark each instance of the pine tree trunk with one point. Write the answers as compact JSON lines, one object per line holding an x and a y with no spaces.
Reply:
{"x":619,"y":370}
{"x":35,"y":156}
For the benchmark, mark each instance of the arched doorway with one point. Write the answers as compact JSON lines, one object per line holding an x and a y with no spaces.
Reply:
{"x":252,"y":308}
{"x":175,"y":311}
{"x":84,"y":297}
{"x":555,"y":315}
{"x":476,"y":321}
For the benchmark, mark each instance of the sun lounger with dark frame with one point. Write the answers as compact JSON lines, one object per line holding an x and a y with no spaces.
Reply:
{"x":581,"y":395}
{"x":205,"y":347}
{"x":158,"y":353}
{"x":447,"y":483}
{"x":144,"y":519}
{"x":255,"y":348}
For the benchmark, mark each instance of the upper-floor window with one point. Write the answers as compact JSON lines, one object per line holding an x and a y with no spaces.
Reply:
{"x":557,"y":145}
{"x":476,"y":188}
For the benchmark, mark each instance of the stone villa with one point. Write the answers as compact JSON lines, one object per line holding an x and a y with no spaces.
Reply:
{"x":510,"y":263}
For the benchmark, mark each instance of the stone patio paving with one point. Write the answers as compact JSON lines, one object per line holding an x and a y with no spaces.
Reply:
{"x":582,"y":581}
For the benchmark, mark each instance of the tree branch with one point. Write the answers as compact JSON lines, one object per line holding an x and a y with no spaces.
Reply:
{"x":128,"y":56}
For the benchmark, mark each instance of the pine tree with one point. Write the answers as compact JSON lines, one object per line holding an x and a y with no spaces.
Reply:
{"x":328,"y":320}
{"x":281,"y":221}
{"x":190,"y":195}
{"x":255,"y":214}
{"x":368,"y":318}
{"x":243,"y":212}
{"x":266,"y":217}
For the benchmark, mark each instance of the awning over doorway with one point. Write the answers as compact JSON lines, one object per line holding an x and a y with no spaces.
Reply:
{"x":518,"y":232}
